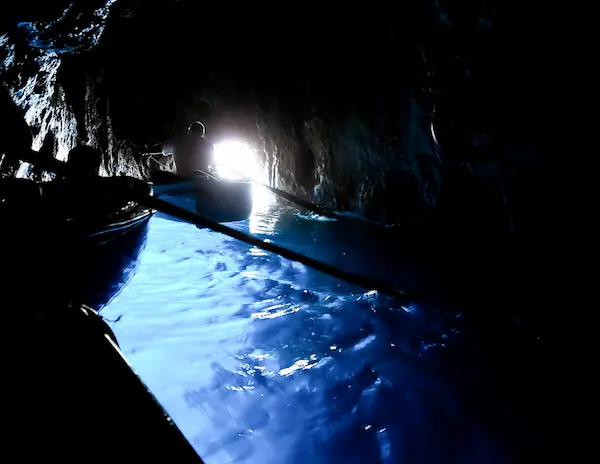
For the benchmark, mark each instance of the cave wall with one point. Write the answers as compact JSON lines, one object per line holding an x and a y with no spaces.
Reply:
{"x":50,"y":75}
{"x":30,"y":77}
{"x":338,"y":106}
{"x":335,"y":107}
{"x":63,"y":101}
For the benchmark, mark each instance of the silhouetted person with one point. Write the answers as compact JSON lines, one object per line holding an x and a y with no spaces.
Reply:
{"x":191,"y":151}
{"x":83,"y":162}
{"x":81,"y":190}
{"x":76,"y":185}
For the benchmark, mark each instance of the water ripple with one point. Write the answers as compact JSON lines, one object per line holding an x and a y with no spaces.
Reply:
{"x":277,"y":310}
{"x":261,"y":360}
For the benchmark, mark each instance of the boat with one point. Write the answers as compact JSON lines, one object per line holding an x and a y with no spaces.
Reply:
{"x":68,"y":244}
{"x":206,"y":194}
{"x":74,"y":396}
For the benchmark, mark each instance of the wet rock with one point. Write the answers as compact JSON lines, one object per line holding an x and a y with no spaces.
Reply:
{"x":15,"y":135}
{"x":339,"y":110}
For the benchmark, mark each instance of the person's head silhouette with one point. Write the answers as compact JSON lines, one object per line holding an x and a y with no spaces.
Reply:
{"x":197,"y":128}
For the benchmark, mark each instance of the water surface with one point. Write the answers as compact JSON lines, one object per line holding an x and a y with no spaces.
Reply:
{"x":262,"y":360}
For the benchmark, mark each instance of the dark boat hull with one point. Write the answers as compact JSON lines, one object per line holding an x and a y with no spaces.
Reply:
{"x":52,"y":261}
{"x":112,"y":259}
{"x":69,"y":383}
{"x":73,"y":394}
{"x":215,"y":199}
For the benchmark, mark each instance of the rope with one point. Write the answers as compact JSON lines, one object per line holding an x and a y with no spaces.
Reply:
{"x":149,"y":157}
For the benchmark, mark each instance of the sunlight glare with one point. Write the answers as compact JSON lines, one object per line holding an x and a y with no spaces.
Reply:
{"x":235,"y":160}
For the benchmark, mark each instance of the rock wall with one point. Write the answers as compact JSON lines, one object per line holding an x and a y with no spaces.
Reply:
{"x":30,"y":77}
{"x":47,"y":71}
{"x":335,"y":108}
{"x":339,"y":108}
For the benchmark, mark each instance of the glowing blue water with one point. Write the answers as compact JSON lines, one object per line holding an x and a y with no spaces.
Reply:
{"x":261,"y":360}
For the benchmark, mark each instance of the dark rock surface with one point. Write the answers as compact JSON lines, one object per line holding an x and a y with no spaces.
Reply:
{"x":339,"y":105}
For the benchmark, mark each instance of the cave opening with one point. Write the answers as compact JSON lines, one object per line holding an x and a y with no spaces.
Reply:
{"x":238,"y":160}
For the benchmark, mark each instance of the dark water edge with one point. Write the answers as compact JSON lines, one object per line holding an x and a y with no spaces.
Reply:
{"x":348,"y":376}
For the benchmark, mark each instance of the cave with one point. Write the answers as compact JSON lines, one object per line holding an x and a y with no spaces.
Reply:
{"x":424,"y":118}
{"x":339,"y":110}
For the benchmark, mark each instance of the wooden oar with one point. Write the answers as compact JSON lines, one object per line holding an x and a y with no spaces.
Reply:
{"x":136,"y":192}
{"x":354,"y":279}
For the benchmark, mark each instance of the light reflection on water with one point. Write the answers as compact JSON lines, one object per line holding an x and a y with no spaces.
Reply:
{"x":261,"y":360}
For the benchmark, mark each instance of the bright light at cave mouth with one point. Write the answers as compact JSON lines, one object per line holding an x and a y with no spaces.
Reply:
{"x":235,"y":160}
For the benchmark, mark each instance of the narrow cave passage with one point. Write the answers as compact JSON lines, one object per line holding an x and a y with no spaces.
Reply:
{"x":416,"y":149}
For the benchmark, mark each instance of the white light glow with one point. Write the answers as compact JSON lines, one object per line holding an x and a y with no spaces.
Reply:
{"x":235,"y":160}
